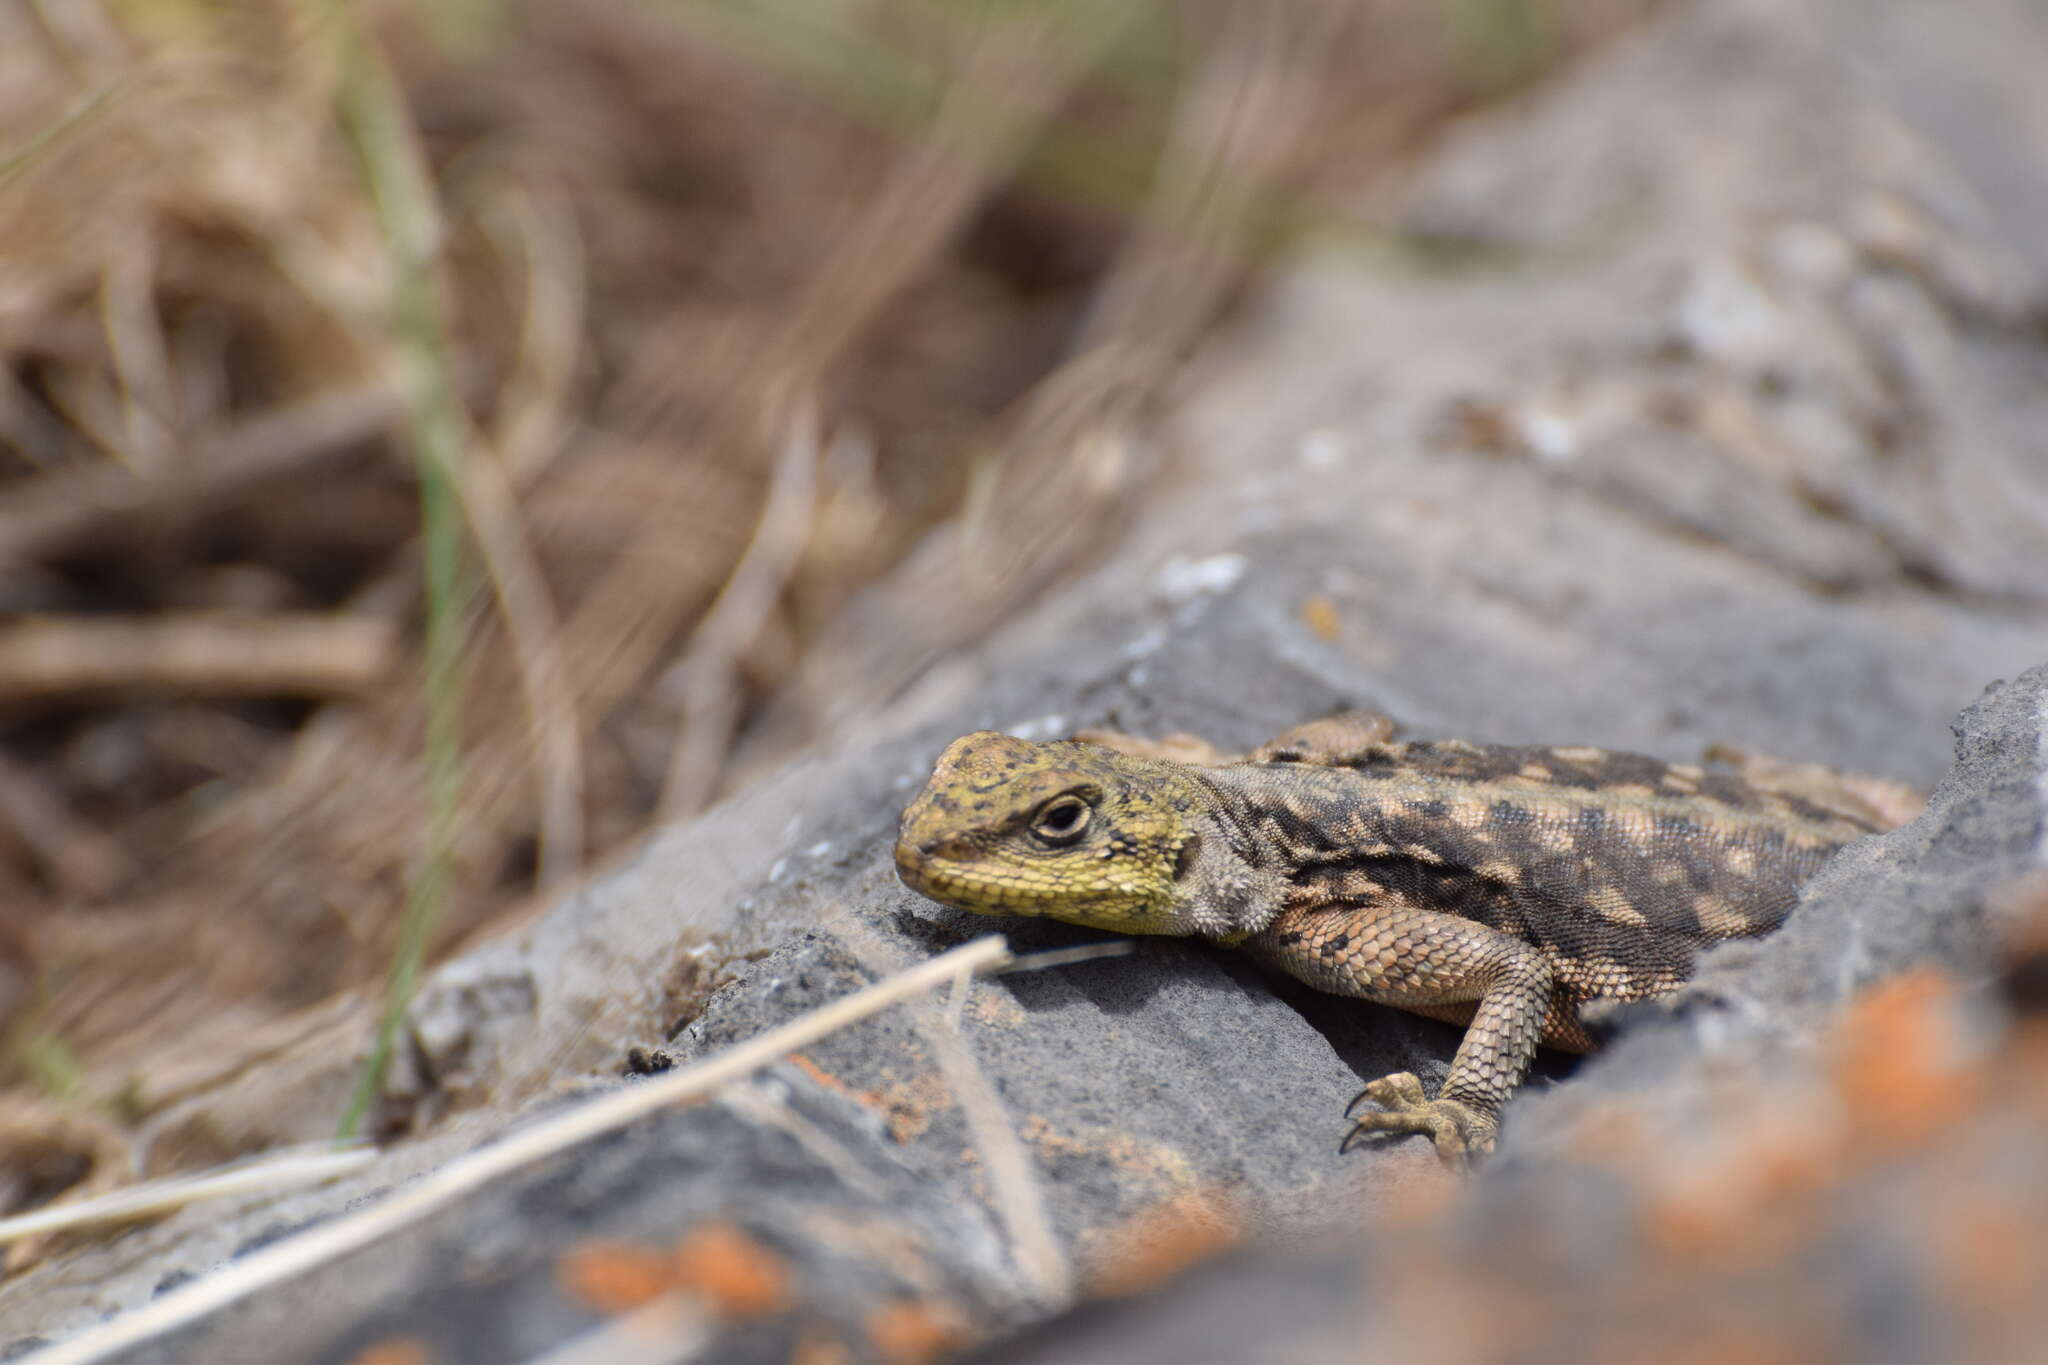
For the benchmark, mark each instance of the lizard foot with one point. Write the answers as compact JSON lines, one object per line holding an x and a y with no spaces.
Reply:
{"x":1459,"y":1131}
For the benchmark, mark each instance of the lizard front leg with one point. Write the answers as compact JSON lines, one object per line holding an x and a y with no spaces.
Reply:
{"x":1435,"y":964}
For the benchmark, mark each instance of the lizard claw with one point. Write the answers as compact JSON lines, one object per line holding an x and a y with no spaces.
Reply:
{"x":1398,"y":1091}
{"x":1459,"y":1131}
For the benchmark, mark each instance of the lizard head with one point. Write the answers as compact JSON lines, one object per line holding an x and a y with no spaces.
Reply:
{"x":1063,"y":830}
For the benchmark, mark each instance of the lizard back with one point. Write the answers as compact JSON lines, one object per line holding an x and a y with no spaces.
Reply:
{"x":1618,"y":866}
{"x":1499,"y":887}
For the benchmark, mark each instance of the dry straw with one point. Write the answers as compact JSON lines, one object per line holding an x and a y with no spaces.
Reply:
{"x":318,"y":1246}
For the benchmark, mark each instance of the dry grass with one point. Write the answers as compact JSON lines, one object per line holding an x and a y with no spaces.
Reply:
{"x":746,"y":303}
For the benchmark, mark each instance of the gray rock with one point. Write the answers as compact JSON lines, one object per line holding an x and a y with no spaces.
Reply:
{"x":1770,"y":1212}
{"x":1925,"y":895}
{"x":1741,"y":444}
{"x":476,"y":1284}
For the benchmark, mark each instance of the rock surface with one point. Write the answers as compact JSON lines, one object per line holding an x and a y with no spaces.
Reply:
{"x":1735,"y":435}
{"x":1754,"y":1168}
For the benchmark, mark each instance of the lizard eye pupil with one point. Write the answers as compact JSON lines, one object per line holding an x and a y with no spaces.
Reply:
{"x":1062,"y":820}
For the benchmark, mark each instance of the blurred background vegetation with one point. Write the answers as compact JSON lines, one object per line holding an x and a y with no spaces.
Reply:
{"x":437,"y":441}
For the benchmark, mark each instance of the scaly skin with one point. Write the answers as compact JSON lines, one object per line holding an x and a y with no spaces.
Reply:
{"x":1497,"y":886}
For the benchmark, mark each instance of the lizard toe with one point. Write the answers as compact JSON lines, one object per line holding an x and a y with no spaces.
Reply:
{"x":1399,"y":1091}
{"x":1459,"y":1131}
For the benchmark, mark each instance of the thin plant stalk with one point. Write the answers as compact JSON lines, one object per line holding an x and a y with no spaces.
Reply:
{"x":372,"y":114}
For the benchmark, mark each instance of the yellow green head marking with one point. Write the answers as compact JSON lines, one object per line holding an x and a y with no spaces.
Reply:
{"x":1064,"y":830}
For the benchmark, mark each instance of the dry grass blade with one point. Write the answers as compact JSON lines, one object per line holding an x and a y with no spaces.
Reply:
{"x":1013,"y":76}
{"x":327,"y":1242}
{"x":1238,"y":127}
{"x":667,"y":1331}
{"x":373,"y":112}
{"x":210,"y":654}
{"x":55,"y":1157}
{"x":707,"y":674}
{"x":1011,"y":80}
{"x":1059,"y":482}
{"x":141,"y":358}
{"x":1012,"y":1175}
{"x":534,"y":629}
{"x":754,"y":1101}
{"x":60,"y":507}
{"x":540,"y":232}
{"x":81,"y":860}
{"x":48,"y":139}
{"x":647,"y":229}
{"x":269,"y":1174}
{"x":527,"y":437}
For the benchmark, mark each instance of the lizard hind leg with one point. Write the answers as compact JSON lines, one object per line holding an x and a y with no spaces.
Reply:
{"x":1463,"y":1120}
{"x":1435,"y":964}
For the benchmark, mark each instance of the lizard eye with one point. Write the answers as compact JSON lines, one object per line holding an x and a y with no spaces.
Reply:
{"x":1061,"y":820}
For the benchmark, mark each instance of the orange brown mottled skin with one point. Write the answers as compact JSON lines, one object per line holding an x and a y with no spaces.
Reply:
{"x":1496,"y":886}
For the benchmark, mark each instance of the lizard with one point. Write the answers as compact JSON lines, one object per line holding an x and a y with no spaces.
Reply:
{"x":1502,"y":887}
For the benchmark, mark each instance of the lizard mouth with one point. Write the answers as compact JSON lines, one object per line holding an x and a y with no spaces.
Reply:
{"x":910,"y":866}
{"x":927,"y":874}
{"x":920,"y":871}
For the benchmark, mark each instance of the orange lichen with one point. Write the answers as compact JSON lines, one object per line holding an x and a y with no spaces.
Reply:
{"x":1444,"y":1307}
{"x":1610,"y":1134}
{"x":906,"y":1105}
{"x":833,"y":1083}
{"x":908,"y":1332}
{"x":1128,"y":1154}
{"x":911,"y":1103}
{"x":996,"y":1009}
{"x":1991,"y":1256}
{"x":1700,"y":1345}
{"x":735,"y":1275}
{"x":1425,"y":1193}
{"x":1756,"y":1204}
{"x":1164,"y":1240}
{"x":814,"y":1348}
{"x":1790,"y":1163}
{"x":1899,"y":1064}
{"x":738,"y":1276}
{"x":1697,"y":1222}
{"x":1321,"y":616}
{"x":613,"y":1277}
{"x":394,"y":1351}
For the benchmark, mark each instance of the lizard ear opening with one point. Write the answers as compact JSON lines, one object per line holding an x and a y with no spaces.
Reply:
{"x":1184,"y":857}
